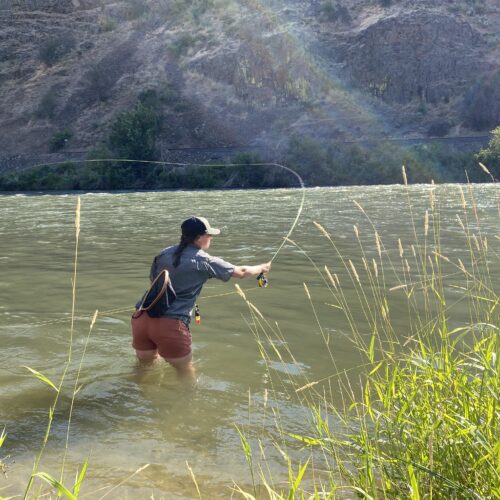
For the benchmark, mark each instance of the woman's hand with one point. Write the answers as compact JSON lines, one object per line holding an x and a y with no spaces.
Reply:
{"x":265,"y":268}
{"x":249,"y":271}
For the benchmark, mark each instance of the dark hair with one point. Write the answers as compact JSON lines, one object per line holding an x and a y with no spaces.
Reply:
{"x":185,"y":241}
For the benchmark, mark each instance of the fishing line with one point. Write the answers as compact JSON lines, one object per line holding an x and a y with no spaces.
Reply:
{"x":262,"y":281}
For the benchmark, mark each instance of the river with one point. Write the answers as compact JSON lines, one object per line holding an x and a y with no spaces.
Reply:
{"x":125,"y":418}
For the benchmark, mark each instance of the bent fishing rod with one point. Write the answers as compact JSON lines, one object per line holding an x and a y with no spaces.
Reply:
{"x":262,"y":279}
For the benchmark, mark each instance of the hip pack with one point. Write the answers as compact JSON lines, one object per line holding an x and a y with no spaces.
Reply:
{"x":158,"y":298}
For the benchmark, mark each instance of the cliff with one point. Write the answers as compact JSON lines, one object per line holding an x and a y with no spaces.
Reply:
{"x":232,"y":72}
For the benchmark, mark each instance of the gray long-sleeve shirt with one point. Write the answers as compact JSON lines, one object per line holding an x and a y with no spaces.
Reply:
{"x":195,"y":268}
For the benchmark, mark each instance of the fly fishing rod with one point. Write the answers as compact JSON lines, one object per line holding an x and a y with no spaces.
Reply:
{"x":262,"y":279}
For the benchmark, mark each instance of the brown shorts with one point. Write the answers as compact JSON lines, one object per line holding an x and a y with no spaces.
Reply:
{"x":171,"y":337}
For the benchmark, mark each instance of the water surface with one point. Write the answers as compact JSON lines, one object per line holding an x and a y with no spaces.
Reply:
{"x":125,"y":418}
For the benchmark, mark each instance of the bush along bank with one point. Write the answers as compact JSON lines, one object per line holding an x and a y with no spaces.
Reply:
{"x":134,"y":133}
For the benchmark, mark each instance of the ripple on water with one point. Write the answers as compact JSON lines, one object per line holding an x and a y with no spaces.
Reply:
{"x":293,"y":369}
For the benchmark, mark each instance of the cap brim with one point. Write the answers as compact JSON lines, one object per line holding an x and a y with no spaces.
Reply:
{"x":213,"y":231}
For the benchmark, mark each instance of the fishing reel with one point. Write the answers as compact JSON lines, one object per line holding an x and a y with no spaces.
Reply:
{"x":262,"y":280}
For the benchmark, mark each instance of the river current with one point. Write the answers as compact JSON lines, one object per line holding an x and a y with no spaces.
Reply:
{"x":125,"y":418}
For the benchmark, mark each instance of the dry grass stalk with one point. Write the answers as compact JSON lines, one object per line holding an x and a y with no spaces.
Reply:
{"x":462,"y":267}
{"x":359,"y":206}
{"x":414,"y":251}
{"x":354,"y":271}
{"x":356,"y":232}
{"x":441,"y":256}
{"x":483,"y":166}
{"x":378,"y":243}
{"x":321,"y":229}
{"x":331,"y":278}
{"x":383,"y":312}
{"x":375,"y":267}
{"x":460,"y":222}
{"x":476,"y":242}
{"x":77,"y":216}
{"x":462,"y":197}
{"x":307,"y":291}
{"x":426,"y":223}
{"x":408,"y":268}
{"x":398,"y":287}
{"x":401,"y":251}
{"x":405,"y":179}
{"x":94,"y":318}
{"x":240,"y":292}
{"x":310,"y":384}
{"x":255,"y":309}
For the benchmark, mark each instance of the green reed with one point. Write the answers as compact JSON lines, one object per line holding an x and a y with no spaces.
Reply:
{"x":423,"y":419}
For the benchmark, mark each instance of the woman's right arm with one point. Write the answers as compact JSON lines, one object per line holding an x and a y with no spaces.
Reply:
{"x":249,"y":271}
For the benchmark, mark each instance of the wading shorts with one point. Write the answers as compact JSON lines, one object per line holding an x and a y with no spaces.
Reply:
{"x":171,"y":337}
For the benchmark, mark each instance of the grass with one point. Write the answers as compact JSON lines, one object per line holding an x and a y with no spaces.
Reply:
{"x":422,"y":420}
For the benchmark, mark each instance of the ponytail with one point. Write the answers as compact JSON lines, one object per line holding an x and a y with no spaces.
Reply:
{"x":185,"y":241}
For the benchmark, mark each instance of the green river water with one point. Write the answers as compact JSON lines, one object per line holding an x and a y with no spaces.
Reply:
{"x":123,"y":418}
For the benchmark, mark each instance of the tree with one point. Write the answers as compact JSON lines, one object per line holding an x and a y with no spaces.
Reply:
{"x":491,"y":155}
{"x":133,"y":133}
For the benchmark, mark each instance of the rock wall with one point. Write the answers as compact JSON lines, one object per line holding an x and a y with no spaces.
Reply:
{"x":421,"y":55}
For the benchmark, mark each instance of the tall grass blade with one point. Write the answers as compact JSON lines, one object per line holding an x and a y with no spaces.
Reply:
{"x":61,"y":489}
{"x":42,"y":377}
{"x":81,"y":475}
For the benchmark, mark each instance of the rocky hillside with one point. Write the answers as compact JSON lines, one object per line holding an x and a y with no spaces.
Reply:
{"x":233,"y":72}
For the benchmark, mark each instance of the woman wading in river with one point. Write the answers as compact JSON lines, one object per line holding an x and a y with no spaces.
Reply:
{"x":189,"y":266}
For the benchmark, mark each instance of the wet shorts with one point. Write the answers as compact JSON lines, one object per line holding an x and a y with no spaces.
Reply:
{"x":171,"y":337}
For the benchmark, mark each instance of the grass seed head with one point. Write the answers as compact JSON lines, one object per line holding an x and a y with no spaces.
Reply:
{"x":330,"y":277}
{"x":240,"y":291}
{"x":354,"y":270}
{"x":483,"y":167}
{"x":321,"y":229}
{"x":462,"y":198}
{"x":378,"y":243}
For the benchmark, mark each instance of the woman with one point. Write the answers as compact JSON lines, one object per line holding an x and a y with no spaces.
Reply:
{"x":189,"y":267}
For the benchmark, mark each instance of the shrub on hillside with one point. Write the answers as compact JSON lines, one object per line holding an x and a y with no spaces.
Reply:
{"x":136,"y":9}
{"x":133,"y":133}
{"x":333,"y":10}
{"x":59,"y":140}
{"x":54,"y":49}
{"x":439,"y":128}
{"x":47,"y":106}
{"x":481,"y":108}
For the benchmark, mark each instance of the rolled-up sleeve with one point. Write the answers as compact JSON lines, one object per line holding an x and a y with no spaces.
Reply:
{"x":218,"y":268}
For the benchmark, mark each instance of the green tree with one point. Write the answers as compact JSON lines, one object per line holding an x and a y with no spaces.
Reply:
{"x":133,"y":133}
{"x":59,"y":140}
{"x":490,"y":156}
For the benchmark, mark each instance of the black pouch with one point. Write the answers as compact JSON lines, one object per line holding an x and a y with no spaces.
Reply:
{"x":159,"y":297}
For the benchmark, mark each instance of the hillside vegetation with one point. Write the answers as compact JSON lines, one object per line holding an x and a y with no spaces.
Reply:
{"x":277,"y":74}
